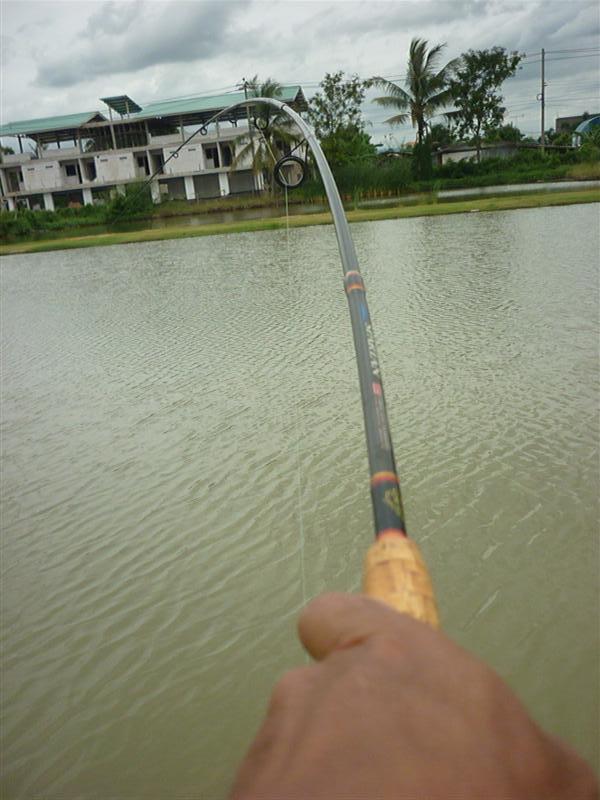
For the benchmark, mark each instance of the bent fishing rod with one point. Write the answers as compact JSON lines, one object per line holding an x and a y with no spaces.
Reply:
{"x":394,"y":571}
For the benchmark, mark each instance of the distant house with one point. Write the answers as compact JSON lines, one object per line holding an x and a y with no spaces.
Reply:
{"x":466,"y":152}
{"x":387,"y":156}
{"x":77,"y":159}
{"x":568,"y":124}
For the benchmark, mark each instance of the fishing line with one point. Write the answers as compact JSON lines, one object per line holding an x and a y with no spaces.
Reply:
{"x":394,"y":571}
{"x":302,"y":548}
{"x":296,"y":410}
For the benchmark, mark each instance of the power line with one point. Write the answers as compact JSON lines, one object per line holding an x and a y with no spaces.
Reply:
{"x":574,"y":50}
{"x":571,"y":50}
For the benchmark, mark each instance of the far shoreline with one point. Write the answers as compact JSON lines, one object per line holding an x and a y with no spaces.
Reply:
{"x":432,"y":208}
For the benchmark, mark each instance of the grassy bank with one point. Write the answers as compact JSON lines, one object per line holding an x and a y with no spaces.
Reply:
{"x":360,"y":215}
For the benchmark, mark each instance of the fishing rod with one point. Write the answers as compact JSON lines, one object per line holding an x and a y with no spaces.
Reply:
{"x":394,"y":570}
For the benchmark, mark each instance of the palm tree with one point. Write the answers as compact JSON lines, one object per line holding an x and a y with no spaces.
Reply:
{"x":426,"y":88}
{"x":273,"y":134}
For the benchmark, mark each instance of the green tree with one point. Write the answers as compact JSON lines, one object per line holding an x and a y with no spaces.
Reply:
{"x":272,"y":135}
{"x":475,"y":91}
{"x":552,"y":137}
{"x":590,"y":145}
{"x":335,"y":114}
{"x":348,"y":146}
{"x":441,"y":135}
{"x":337,"y":106}
{"x":426,"y":88}
{"x":504,"y":133}
{"x":5,"y":151}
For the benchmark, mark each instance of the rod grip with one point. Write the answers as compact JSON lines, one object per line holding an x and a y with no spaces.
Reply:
{"x":395,"y":573}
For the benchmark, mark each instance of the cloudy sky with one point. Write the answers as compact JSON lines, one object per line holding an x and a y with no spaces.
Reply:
{"x":60,"y":57}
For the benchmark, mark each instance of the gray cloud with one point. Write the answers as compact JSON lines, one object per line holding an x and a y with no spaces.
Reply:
{"x":112,"y":18}
{"x":62,"y":54}
{"x":130,"y":37}
{"x":402,"y":16}
{"x":7,"y":47}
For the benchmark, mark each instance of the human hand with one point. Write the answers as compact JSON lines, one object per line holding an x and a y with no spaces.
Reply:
{"x":394,"y":710}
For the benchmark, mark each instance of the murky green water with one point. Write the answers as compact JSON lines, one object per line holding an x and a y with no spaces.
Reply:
{"x":182,"y":441}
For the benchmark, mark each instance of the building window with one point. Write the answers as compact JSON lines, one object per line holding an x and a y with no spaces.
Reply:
{"x":142,"y":163}
{"x":71,"y":170}
{"x":90,"y":170}
{"x":212,"y":155}
{"x":227,"y":159}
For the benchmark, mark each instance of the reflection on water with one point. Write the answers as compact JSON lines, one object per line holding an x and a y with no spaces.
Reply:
{"x":175,"y":413}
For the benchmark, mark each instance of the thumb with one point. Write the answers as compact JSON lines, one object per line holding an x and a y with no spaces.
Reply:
{"x":333,"y":621}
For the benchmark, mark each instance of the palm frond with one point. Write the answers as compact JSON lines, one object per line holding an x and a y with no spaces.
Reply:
{"x":400,"y":101}
{"x":399,"y":119}
{"x":438,"y":100}
{"x":388,"y":86}
{"x":433,"y":56}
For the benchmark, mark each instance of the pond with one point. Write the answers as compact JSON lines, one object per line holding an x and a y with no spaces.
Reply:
{"x":184,"y":465}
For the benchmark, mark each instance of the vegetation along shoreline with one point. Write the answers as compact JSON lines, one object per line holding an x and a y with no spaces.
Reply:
{"x":431,"y":208}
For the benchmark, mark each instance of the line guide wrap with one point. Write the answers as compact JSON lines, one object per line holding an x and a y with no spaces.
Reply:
{"x":394,"y":571}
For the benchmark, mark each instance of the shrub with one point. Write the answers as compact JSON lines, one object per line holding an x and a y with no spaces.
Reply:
{"x":136,"y":201}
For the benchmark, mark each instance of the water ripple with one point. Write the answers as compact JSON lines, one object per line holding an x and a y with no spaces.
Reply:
{"x":158,"y":401}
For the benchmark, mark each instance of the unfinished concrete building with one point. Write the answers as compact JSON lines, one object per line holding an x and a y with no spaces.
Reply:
{"x":78,"y":159}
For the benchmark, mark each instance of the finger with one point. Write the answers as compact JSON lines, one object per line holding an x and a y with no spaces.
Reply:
{"x":333,"y":621}
{"x":269,"y":752}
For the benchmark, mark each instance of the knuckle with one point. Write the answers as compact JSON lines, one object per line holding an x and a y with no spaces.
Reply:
{"x":287,"y":687}
{"x":388,"y":648}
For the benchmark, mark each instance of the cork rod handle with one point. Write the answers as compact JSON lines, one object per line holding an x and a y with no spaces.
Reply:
{"x":395,"y":573}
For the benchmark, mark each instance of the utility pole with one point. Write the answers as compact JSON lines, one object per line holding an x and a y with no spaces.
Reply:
{"x":542,"y":97}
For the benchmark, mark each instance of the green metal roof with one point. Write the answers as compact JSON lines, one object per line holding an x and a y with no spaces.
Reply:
{"x":195,"y":109}
{"x":122,"y":104}
{"x":29,"y":126}
{"x":191,"y":105}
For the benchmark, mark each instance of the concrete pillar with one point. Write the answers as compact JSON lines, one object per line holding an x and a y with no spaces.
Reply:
{"x":155,"y":192}
{"x":48,"y":201}
{"x":259,"y":181}
{"x":224,"y":183}
{"x":88,"y":200}
{"x":190,"y":189}
{"x":120,"y":189}
{"x":11,"y":203}
{"x":112,"y":128}
{"x":3,"y":182}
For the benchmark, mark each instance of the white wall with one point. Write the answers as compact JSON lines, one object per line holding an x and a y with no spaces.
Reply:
{"x":41,"y":175}
{"x":111,"y":167}
{"x":16,"y":158}
{"x":188,"y":160}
